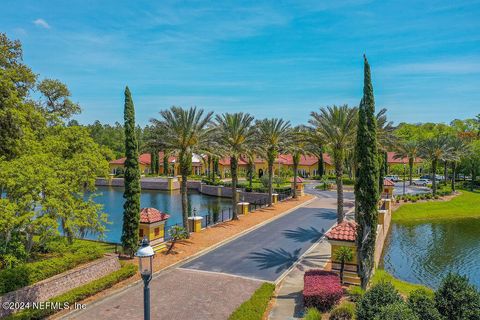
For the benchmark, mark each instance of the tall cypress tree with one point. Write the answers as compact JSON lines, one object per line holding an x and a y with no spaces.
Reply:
{"x":131,"y":207}
{"x":366,"y":182}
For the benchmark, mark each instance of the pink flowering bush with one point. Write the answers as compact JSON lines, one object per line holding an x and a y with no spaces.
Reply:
{"x":321,"y":289}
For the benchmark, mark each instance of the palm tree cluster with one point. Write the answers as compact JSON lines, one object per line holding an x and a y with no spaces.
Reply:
{"x":185,"y":132}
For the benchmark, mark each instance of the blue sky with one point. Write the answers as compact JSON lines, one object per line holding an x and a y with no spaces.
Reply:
{"x":269,"y":58}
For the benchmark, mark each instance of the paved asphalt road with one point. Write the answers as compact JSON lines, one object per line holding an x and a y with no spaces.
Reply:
{"x":267,"y":252}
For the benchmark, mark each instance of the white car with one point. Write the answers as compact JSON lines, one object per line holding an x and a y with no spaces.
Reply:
{"x":421,"y":182}
{"x":393,"y":178}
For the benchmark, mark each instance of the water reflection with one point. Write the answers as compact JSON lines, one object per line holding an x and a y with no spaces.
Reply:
{"x":424,"y":253}
{"x":170,"y":202}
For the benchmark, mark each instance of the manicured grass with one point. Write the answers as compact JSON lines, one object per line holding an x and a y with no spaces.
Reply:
{"x":78,"y":294}
{"x":254,"y":308}
{"x":465,"y":205}
{"x":402,"y":286}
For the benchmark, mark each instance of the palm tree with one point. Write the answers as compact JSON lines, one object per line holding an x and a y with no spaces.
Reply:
{"x":186,"y":131}
{"x":458,"y":150}
{"x":343,"y":254}
{"x":297,"y":148}
{"x":235,"y":134}
{"x":336,"y":126}
{"x":273,"y":134}
{"x":435,"y":148}
{"x":316,"y":147}
{"x":408,"y":149}
{"x":385,"y":140}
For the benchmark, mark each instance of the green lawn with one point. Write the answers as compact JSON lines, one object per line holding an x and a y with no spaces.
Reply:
{"x":465,"y":205}
{"x":402,"y":286}
{"x":254,"y":308}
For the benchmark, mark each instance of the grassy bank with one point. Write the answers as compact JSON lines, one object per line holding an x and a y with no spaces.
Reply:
{"x":465,"y":205}
{"x":402,"y":286}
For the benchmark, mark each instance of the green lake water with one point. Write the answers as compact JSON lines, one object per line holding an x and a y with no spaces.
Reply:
{"x":425,"y":252}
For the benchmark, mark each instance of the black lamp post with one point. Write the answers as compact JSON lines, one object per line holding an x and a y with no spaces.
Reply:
{"x":145,"y":261}
{"x":404,"y":174}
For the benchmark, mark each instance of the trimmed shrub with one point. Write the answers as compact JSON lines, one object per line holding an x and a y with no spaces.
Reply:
{"x":355,"y":293}
{"x":78,"y":294}
{"x":396,"y":311}
{"x":322,"y":289}
{"x":30,"y":273}
{"x":254,"y":308}
{"x":313,"y":314}
{"x":377,"y":297}
{"x":421,"y":303}
{"x":457,"y":299}
{"x":345,"y":311}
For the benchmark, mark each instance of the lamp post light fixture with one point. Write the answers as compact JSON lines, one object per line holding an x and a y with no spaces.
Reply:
{"x":145,"y":264}
{"x":404,"y":176}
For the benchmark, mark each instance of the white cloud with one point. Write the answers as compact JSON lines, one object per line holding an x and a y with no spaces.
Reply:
{"x":41,"y":23}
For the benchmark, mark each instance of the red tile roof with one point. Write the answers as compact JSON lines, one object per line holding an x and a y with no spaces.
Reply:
{"x":388,"y":183}
{"x":345,"y":231}
{"x":226,"y":161}
{"x":392,"y":160}
{"x":152,"y":215}
{"x":299,"y":180}
{"x":144,"y":158}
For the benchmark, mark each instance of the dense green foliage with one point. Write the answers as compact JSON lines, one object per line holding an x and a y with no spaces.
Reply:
{"x":366,"y":182}
{"x":45,"y":166}
{"x":396,"y":311}
{"x":377,"y":297}
{"x":457,"y":299}
{"x":131,"y":206}
{"x":254,"y":308}
{"x":29,"y":273}
{"x":421,"y":302}
{"x":355,"y":293}
{"x":403,"y":287}
{"x":78,"y":294}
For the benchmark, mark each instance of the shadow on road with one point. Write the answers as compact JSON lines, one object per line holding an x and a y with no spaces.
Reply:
{"x":271,"y":258}
{"x":300,"y":234}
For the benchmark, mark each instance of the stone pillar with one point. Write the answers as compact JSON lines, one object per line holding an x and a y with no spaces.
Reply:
{"x":195,"y":223}
{"x":274,"y":198}
{"x":170,"y":181}
{"x":242,"y":208}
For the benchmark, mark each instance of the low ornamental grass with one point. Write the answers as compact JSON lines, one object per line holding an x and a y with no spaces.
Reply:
{"x":78,"y":294}
{"x":322,"y":289}
{"x":254,"y":308}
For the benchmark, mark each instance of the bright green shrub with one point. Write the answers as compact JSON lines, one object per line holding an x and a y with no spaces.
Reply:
{"x":355,"y":293}
{"x":457,"y":299}
{"x":421,"y":303}
{"x":30,"y":273}
{"x":313,"y":314}
{"x":345,"y":311}
{"x":78,"y":294}
{"x":254,"y":308}
{"x":377,"y":297}
{"x":396,"y":311}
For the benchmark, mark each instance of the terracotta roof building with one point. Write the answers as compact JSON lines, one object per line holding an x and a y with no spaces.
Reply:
{"x":345,"y":231}
{"x":152,"y":215}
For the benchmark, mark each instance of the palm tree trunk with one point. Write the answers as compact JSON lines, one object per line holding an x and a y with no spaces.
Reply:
{"x":233,"y":169}
{"x":295,"y":174}
{"x":454,"y":167}
{"x":445,"y":173}
{"x":320,"y":164}
{"x":270,"y":178}
{"x":250,"y":175}
{"x":184,"y":168}
{"x":338,"y":176}
{"x":410,"y":170}
{"x":434,"y":176}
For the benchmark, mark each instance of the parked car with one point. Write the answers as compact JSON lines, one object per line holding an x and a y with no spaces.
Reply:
{"x":393,"y":178}
{"x":421,"y":182}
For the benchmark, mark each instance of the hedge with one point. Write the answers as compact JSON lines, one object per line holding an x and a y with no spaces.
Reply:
{"x":78,"y":294}
{"x":29,"y":273}
{"x":254,"y":308}
{"x":322,"y":289}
